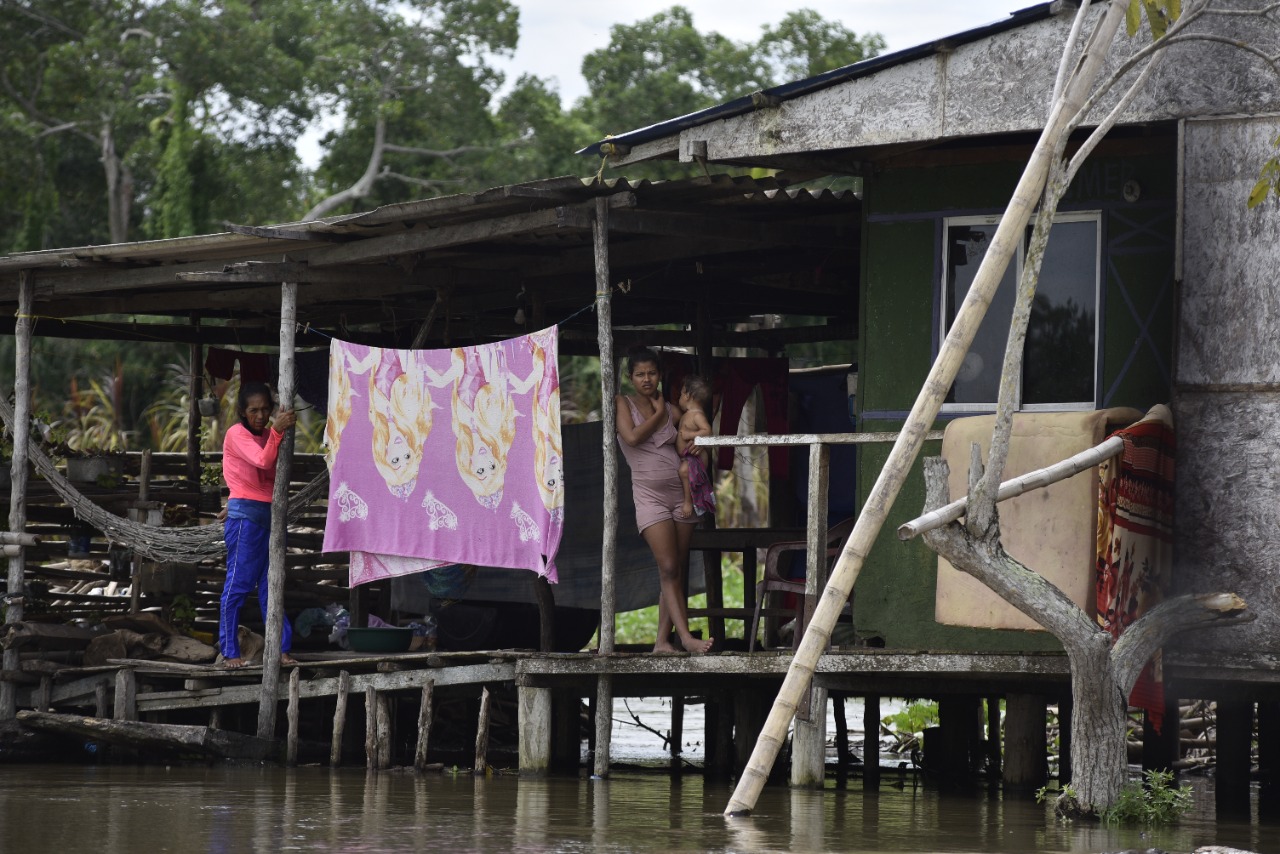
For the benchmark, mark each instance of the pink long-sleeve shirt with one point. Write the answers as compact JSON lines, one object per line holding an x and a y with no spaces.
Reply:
{"x":249,"y":462}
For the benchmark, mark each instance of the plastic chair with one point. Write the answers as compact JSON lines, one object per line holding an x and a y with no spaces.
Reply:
{"x":774,"y":581}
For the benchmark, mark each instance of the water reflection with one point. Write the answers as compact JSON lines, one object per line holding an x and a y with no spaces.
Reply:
{"x":121,"y":810}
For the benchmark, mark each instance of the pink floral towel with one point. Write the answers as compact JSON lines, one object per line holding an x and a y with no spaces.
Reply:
{"x":445,"y":456}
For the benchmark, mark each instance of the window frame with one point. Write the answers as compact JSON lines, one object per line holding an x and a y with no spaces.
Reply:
{"x":1094,"y":216}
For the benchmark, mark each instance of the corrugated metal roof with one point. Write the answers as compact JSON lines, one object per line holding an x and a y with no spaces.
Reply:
{"x":434,"y":212}
{"x":835,"y":77}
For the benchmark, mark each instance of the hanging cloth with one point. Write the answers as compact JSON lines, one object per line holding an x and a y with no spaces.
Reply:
{"x":445,"y":456}
{"x":1135,"y":540}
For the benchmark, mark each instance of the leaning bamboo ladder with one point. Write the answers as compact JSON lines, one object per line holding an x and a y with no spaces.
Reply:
{"x":905,"y":450}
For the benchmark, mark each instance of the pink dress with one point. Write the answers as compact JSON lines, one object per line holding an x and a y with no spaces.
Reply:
{"x":655,"y":473}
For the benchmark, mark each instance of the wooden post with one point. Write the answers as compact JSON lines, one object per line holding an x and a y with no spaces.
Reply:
{"x":535,"y":719}
{"x":1066,"y":708}
{"x":100,"y":700}
{"x":1268,"y":762}
{"x":425,"y":714}
{"x":291,"y":745}
{"x":677,"y":733}
{"x":194,"y":391}
{"x":279,"y":521}
{"x":718,"y":722}
{"x":1025,"y":742}
{"x":126,"y":703}
{"x":871,"y":743}
{"x":370,"y":728}
{"x":144,"y":490}
{"x":1162,"y":750}
{"x":482,"y":733}
{"x":339,"y":719}
{"x":609,"y":545}
{"x":993,"y":737}
{"x":1235,"y":733}
{"x":14,"y":602}
{"x":841,"y":737}
{"x":609,"y":449}
{"x":384,"y":730}
{"x":815,"y":579}
{"x":809,"y":743}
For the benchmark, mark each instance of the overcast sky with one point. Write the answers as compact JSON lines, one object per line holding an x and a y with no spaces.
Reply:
{"x":556,"y":34}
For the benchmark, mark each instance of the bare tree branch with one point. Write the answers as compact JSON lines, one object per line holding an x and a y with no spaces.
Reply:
{"x":1154,"y":628}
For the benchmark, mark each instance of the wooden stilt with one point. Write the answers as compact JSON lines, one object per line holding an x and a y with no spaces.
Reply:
{"x":370,"y":728}
{"x":566,"y":730}
{"x":1161,"y":750}
{"x":126,"y":704}
{"x":1025,"y":742}
{"x":1269,"y":762}
{"x":871,"y":743}
{"x":291,"y":745}
{"x":14,"y":601}
{"x":194,"y":391}
{"x":279,"y":520}
{"x":677,"y":733}
{"x":841,"y":737}
{"x":339,"y":718}
{"x":215,"y":717}
{"x":384,"y":730}
{"x":482,"y":733}
{"x":603,"y":724}
{"x":535,"y":729}
{"x":425,"y":714}
{"x":809,"y":743}
{"x":1235,"y":732}
{"x":100,"y":701}
{"x":1065,"y":711}
{"x":993,"y":738}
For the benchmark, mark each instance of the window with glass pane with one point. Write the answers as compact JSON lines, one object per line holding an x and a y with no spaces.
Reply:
{"x":1059,"y":355}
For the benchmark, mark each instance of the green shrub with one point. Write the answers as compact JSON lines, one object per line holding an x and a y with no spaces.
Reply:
{"x":1152,"y":800}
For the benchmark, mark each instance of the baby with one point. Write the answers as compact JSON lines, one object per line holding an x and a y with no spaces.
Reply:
{"x":695,"y":463}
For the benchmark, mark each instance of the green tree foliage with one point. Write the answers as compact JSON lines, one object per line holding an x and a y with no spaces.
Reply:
{"x":805,"y":45}
{"x":662,"y":67}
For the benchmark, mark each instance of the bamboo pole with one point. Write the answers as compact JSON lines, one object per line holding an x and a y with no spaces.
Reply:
{"x":1037,"y":479}
{"x":339,"y":718}
{"x":18,"y":480}
{"x":609,"y":547}
{"x":279,"y":522}
{"x":905,"y":450}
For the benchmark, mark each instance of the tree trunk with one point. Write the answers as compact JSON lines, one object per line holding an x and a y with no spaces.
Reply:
{"x":1099,"y":756}
{"x":119,"y":186}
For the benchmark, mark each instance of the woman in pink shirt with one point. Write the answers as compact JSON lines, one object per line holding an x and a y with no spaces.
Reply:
{"x":249,"y":466}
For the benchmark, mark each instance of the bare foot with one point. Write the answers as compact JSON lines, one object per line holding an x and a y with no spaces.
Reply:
{"x":694,"y":646}
{"x":665,"y":648}
{"x":286,"y":658}
{"x":233,"y":663}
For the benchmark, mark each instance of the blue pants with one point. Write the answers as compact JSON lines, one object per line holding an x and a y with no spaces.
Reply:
{"x":247,"y":559}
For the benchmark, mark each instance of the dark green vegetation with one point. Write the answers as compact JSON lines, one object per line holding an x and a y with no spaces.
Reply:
{"x":129,"y":119}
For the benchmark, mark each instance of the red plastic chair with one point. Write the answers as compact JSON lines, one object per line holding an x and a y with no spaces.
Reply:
{"x":774,"y":582}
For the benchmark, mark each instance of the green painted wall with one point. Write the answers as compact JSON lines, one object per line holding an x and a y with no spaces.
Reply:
{"x":903,"y":211}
